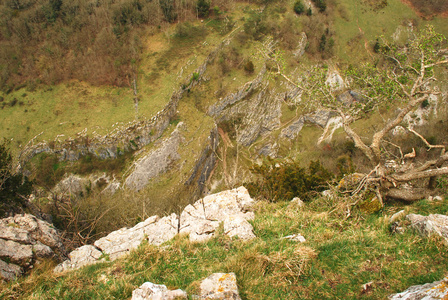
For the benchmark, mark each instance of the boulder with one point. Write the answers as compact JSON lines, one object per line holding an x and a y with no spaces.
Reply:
{"x":429,"y":291}
{"x":9,"y":272}
{"x":151,"y":291}
{"x":219,"y":286}
{"x":121,"y":241}
{"x":23,"y":240}
{"x":82,"y":256}
{"x":335,"y":80}
{"x":16,"y":252}
{"x":232,"y":208}
{"x":428,"y":225}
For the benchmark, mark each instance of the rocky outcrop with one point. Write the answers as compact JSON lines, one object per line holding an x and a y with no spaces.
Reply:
{"x":199,"y":221}
{"x":429,"y":225}
{"x":151,"y":291}
{"x":205,"y":164}
{"x":82,"y":256}
{"x":431,"y":291}
{"x":24,"y":239}
{"x":156,"y":162}
{"x":216,"y":110}
{"x":75,"y":186}
{"x":219,"y":286}
{"x":232,"y":208}
{"x":216,"y":286}
{"x":301,"y":45}
{"x":319,"y":118}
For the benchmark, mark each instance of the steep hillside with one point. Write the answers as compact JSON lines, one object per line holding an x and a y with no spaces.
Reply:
{"x":156,"y":104}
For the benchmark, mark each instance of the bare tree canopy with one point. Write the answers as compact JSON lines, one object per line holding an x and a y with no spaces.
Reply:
{"x":404,"y":77}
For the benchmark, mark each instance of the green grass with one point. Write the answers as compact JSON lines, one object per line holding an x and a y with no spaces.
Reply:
{"x":356,"y":16}
{"x":339,"y":256}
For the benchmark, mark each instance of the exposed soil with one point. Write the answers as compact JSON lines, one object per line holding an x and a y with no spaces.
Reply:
{"x":429,"y":8}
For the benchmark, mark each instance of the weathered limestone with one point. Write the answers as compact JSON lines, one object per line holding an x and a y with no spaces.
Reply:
{"x":295,"y":238}
{"x":82,"y":256}
{"x":200,"y":221}
{"x":121,"y":241}
{"x":16,"y":252}
{"x":9,"y":272}
{"x":151,"y":291}
{"x":219,"y":286}
{"x":319,"y":118}
{"x":156,"y":162}
{"x":430,"y":291}
{"x":428,"y":225}
{"x":77,"y":186}
{"x":23,"y":240}
{"x":397,"y":216}
{"x":301,"y":45}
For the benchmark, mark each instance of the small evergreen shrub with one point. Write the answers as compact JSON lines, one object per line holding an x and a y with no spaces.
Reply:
{"x":320,"y":4}
{"x":299,"y":7}
{"x":203,"y":8}
{"x":249,"y":67}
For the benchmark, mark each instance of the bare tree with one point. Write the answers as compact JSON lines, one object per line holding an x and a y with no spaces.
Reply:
{"x":405,"y":76}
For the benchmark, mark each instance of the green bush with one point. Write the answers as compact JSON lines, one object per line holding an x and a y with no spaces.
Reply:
{"x":320,"y":4}
{"x":249,"y":67}
{"x":255,"y":26}
{"x":299,"y":7}
{"x":14,"y":188}
{"x":203,"y":8}
{"x":284,"y":180}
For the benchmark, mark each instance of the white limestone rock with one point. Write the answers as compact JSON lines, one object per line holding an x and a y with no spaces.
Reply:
{"x":232,"y":208}
{"x":122,"y":241}
{"x":301,"y":45}
{"x":239,"y":227}
{"x":397,"y":216}
{"x":219,"y":286}
{"x":9,"y":272}
{"x":428,"y":225}
{"x":156,"y":162}
{"x":295,"y":237}
{"x":151,"y":291}
{"x":163,"y":230}
{"x":430,"y":291}
{"x":80,"y":257}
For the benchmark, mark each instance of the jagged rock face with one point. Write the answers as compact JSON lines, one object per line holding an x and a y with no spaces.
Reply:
{"x":301,"y":45}
{"x":429,"y":291}
{"x":156,"y":162}
{"x":75,"y":186}
{"x":199,"y":220}
{"x":23,"y":240}
{"x":205,"y":164}
{"x":219,"y":286}
{"x":428,"y":225}
{"x":72,"y":186}
{"x":151,"y":291}
{"x":319,"y":118}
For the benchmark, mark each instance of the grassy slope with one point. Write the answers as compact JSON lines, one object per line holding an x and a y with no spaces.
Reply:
{"x":340,"y":256}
